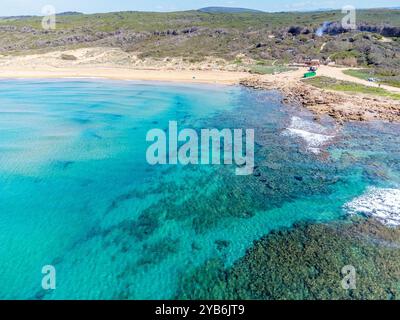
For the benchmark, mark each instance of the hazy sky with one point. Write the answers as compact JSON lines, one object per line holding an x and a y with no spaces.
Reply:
{"x":24,"y":7}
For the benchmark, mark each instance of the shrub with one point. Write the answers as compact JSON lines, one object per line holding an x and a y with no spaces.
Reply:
{"x":349,"y":62}
{"x":346,"y":58}
{"x":69,"y":57}
{"x":295,"y":30}
{"x":345,"y":54}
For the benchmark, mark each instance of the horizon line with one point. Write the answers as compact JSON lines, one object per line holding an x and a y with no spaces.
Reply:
{"x":199,"y":10}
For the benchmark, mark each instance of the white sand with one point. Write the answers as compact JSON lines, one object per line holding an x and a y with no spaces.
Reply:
{"x":220,"y":77}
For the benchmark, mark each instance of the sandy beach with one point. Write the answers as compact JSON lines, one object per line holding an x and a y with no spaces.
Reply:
{"x":219,"y":77}
{"x":116,"y":64}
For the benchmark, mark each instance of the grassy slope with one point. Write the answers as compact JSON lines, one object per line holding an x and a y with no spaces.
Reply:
{"x":338,"y":85}
{"x":162,"y":35}
{"x":260,"y":69}
{"x":150,"y":21}
{"x":365,"y":74}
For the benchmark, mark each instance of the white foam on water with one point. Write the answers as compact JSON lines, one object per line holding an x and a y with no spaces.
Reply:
{"x":382,"y":204}
{"x":313,"y":134}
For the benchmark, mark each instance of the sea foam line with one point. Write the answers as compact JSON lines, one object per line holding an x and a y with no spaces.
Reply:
{"x":382,"y":204}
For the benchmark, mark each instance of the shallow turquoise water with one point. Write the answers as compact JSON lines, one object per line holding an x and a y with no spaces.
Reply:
{"x":76,"y":191}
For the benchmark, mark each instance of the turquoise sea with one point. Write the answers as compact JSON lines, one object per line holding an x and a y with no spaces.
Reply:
{"x":77,"y":193}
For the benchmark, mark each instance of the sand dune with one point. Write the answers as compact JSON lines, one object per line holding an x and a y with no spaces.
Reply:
{"x":116,"y":64}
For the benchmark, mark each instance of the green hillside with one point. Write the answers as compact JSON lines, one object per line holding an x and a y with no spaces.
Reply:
{"x":286,"y":37}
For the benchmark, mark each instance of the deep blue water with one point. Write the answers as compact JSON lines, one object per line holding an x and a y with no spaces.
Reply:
{"x":76,"y":191}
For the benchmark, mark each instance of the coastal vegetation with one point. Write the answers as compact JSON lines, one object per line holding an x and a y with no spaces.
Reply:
{"x":262,"y":69}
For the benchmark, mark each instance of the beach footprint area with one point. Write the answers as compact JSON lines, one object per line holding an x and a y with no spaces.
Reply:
{"x":77,"y":193}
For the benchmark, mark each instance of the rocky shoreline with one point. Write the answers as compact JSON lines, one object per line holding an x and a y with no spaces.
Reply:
{"x":340,"y":106}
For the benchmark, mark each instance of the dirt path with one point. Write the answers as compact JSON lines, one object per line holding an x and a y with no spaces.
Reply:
{"x":337,"y":73}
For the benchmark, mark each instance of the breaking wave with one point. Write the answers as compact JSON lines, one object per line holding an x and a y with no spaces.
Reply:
{"x":382,"y":204}
{"x":313,"y":134}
